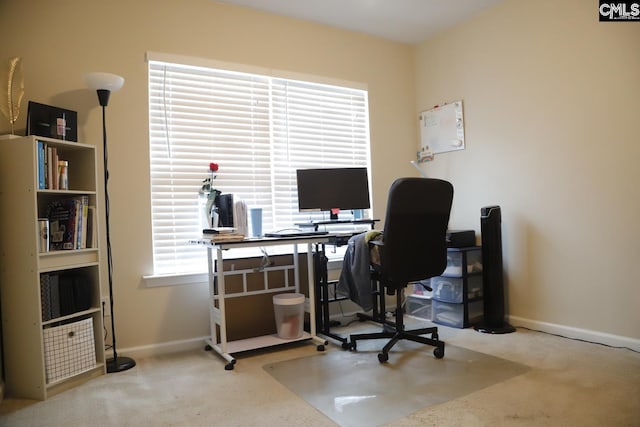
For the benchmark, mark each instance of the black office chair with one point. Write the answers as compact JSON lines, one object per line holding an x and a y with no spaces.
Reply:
{"x":413,"y":248}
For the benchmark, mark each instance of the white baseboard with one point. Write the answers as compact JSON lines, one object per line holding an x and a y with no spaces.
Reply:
{"x":567,"y":331}
{"x":159,"y":349}
{"x":577,"y":333}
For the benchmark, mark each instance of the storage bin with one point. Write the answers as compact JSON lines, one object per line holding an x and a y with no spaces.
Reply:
{"x":461,"y":261}
{"x":418,"y":306}
{"x":451,"y":289}
{"x":289,"y":313}
{"x":450,"y":314}
{"x":422,"y":288}
{"x":69,"y":349}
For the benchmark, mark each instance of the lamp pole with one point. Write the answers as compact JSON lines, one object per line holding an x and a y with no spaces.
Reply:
{"x":104,"y":84}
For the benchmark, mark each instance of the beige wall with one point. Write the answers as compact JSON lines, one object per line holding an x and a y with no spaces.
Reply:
{"x":550,"y":96}
{"x":551,"y":103}
{"x":60,"y":41}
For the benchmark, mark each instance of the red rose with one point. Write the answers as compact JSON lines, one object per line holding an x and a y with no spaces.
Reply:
{"x":213,"y":167}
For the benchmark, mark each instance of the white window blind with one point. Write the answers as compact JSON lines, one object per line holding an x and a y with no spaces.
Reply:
{"x":259,"y":129}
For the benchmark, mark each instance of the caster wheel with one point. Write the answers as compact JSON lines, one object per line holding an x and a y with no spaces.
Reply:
{"x":438,"y":352}
{"x":320,"y":347}
{"x":208,"y":348}
{"x":383,"y":357}
{"x":346,"y":346}
{"x":229,"y":366}
{"x":353,"y":346}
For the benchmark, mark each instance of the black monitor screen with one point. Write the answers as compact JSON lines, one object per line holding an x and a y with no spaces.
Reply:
{"x":326,"y":189}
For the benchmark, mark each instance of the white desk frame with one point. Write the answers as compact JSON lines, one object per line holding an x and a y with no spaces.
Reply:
{"x":218,"y":314}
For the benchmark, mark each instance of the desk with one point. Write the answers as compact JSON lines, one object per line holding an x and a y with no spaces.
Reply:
{"x":217,"y":293}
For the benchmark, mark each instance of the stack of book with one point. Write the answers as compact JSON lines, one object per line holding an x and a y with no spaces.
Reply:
{"x":72,"y":224}
{"x":62,"y":294}
{"x":48,"y":172}
{"x":222,"y":234}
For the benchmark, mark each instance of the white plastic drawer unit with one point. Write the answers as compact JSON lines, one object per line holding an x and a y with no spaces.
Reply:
{"x":451,"y":289}
{"x":419,"y":306}
{"x":455,"y":315}
{"x":455,"y":262}
{"x":422,"y":288}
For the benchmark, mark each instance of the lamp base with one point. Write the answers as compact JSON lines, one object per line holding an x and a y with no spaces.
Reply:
{"x":119,"y":364}
{"x":504,"y":328}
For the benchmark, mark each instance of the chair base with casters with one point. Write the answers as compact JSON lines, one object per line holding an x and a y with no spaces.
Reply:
{"x":396,"y":332}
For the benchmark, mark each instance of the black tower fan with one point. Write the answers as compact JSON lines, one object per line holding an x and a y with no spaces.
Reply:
{"x":492,"y":275}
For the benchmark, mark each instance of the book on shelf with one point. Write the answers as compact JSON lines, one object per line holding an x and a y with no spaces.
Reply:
{"x":41,"y":166}
{"x":63,"y":293}
{"x":48,"y":174}
{"x":92,"y":227}
{"x":68,"y":223}
{"x":49,"y":296}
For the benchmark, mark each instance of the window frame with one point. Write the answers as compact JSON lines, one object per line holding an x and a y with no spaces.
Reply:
{"x":280,"y":78}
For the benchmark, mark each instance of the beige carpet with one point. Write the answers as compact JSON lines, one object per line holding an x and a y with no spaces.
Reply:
{"x":340,"y":385}
{"x":569,"y":383}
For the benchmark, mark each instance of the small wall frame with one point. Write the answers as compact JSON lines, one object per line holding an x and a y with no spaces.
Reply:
{"x":441,"y":130}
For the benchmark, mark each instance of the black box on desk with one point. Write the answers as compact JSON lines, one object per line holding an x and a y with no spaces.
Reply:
{"x":461,"y":238}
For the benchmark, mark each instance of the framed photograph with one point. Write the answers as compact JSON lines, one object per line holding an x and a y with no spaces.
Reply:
{"x":52,"y":122}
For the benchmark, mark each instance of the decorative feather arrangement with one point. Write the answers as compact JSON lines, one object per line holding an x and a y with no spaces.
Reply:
{"x":11,"y":98}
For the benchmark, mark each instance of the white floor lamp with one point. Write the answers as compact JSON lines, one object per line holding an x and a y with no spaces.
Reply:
{"x":104,"y":84}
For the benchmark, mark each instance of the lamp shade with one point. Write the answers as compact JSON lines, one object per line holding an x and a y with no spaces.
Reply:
{"x":103,"y":81}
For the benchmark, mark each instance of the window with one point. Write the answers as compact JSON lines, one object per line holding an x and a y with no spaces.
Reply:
{"x":259,"y":129}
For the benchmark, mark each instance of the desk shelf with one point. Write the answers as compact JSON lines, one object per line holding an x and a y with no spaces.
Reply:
{"x":254,"y":343}
{"x":316,"y":224}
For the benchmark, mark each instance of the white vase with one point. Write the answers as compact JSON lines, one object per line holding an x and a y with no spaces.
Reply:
{"x":203,"y":213}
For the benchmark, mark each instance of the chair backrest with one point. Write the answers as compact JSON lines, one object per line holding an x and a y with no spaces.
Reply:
{"x":415,"y":230}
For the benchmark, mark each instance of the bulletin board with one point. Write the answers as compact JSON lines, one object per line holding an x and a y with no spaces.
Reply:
{"x":441,"y":130}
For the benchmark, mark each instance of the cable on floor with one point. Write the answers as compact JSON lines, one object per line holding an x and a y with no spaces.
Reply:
{"x":577,"y":339}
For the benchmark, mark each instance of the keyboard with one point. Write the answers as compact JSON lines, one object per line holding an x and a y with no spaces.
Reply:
{"x":295,"y":233}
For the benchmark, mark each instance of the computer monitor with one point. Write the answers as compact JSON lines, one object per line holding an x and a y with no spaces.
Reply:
{"x":332,"y":189}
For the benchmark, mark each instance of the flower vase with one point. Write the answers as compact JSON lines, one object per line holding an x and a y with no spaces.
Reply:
{"x":203,"y":213}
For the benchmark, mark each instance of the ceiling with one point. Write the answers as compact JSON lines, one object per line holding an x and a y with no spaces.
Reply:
{"x":405,"y":21}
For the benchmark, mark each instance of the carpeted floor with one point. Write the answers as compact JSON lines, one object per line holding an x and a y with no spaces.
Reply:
{"x":569,"y":383}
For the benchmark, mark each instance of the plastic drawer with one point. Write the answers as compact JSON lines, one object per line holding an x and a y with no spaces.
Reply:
{"x":449,"y":314}
{"x":451,"y":289}
{"x":421,"y":288}
{"x":418,"y":307}
{"x":456,"y":265}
